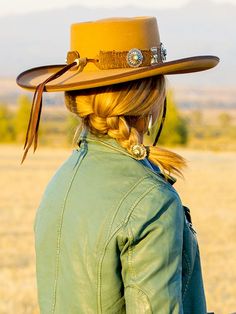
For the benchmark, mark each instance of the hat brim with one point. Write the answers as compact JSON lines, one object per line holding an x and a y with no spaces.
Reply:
{"x":75,"y":80}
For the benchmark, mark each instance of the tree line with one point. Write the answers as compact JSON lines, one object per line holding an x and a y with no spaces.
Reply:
{"x":177,"y":130}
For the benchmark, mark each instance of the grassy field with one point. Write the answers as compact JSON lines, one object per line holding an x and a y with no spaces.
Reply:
{"x":208,"y":189}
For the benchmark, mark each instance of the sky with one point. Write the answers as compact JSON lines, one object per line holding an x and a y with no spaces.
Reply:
{"x":8,"y":7}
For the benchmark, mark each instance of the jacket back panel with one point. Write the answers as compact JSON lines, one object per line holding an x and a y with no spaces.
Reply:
{"x":81,"y":237}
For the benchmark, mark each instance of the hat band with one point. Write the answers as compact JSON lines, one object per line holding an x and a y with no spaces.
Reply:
{"x":123,"y":59}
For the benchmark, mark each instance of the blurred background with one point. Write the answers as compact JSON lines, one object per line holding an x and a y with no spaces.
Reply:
{"x":201,"y":125}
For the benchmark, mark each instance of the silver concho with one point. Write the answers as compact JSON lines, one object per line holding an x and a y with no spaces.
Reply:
{"x":163,"y":52}
{"x":139,"y":151}
{"x":134,"y":58}
{"x":154,"y":58}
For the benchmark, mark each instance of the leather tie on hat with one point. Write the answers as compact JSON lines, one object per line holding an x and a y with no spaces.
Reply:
{"x":35,"y":113}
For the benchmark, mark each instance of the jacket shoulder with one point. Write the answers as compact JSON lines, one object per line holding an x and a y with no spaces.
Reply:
{"x":154,"y":198}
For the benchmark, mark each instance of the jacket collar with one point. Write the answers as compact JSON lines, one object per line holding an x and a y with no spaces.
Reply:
{"x":105,"y":140}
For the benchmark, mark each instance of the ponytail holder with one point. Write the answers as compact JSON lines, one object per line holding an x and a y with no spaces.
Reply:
{"x":138,"y":151}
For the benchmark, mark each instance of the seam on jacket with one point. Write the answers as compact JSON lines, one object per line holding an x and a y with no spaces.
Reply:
{"x":152,"y":187}
{"x":115,"y":231}
{"x":122,"y":200}
{"x":142,"y":292}
{"x":130,"y":255}
{"x":132,"y":269}
{"x":110,"y":236}
{"x":83,"y":153}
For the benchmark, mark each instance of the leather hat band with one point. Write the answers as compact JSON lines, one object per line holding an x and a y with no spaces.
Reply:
{"x":123,"y":59}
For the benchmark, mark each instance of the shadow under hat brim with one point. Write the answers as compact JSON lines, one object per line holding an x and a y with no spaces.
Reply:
{"x":75,"y":80}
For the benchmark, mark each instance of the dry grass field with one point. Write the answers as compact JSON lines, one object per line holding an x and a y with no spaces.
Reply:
{"x":208,"y":189}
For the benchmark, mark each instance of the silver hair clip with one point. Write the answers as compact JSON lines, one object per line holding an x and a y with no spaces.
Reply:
{"x":154,"y":58}
{"x":139,"y":151}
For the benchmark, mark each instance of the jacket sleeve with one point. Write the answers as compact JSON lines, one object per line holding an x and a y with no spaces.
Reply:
{"x":151,"y":256}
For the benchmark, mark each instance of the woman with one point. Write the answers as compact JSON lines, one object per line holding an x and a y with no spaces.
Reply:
{"x":111,"y":234}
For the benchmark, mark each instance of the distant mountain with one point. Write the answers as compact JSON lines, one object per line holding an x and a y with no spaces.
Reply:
{"x":200,"y":27}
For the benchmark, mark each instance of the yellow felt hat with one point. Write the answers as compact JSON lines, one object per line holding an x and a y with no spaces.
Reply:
{"x":105,"y":52}
{"x":111,"y":51}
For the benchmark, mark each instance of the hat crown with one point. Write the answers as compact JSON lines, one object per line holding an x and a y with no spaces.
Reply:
{"x":119,"y":34}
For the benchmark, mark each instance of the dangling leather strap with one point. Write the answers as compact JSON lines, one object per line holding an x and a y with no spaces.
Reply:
{"x":162,"y":123}
{"x":35,"y":113}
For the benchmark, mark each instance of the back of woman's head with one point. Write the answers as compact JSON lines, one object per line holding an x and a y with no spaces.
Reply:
{"x":122,"y":111}
{"x":119,"y":110}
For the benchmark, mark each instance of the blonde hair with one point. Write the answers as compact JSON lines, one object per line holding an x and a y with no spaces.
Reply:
{"x":122,"y":111}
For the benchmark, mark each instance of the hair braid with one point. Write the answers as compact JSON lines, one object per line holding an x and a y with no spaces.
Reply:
{"x":97,"y":123}
{"x":119,"y":129}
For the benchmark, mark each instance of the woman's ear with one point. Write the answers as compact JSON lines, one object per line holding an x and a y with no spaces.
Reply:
{"x":142,"y":124}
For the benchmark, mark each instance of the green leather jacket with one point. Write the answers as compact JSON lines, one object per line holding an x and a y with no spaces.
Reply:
{"x":111,"y":236}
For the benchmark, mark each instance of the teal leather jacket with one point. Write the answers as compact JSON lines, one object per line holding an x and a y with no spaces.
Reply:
{"x":111,"y":236}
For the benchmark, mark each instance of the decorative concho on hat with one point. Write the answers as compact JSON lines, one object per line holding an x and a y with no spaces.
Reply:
{"x":134,"y":57}
{"x":154,"y":58}
{"x":163,"y":52}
